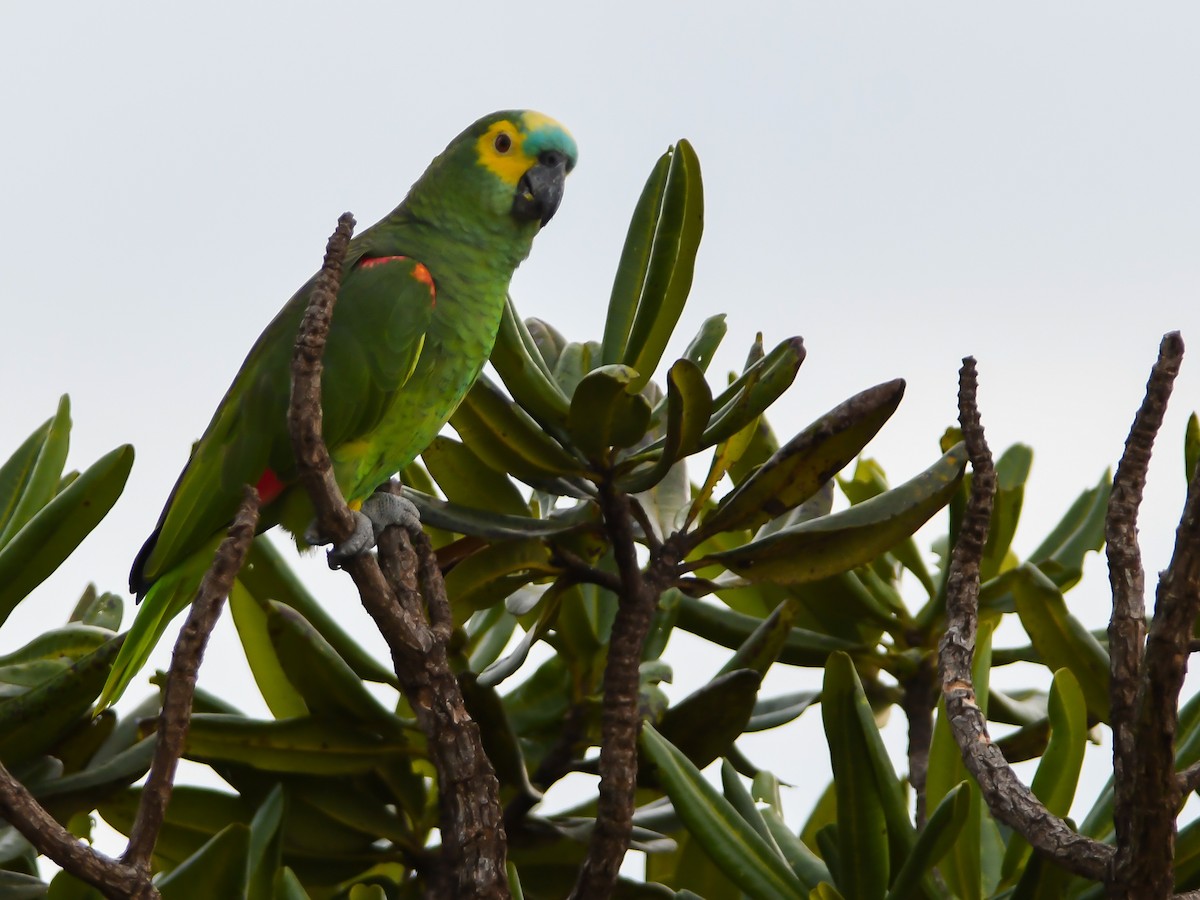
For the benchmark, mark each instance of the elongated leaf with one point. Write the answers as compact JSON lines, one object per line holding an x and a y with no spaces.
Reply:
{"x":54,"y":532}
{"x":1058,"y":771}
{"x":798,"y":469}
{"x":689,"y":405}
{"x":250,"y":619}
{"x":507,"y":439}
{"x":606,"y":410}
{"x":1060,"y":639}
{"x":704,"y":724}
{"x":219,"y":869}
{"x":324,"y":681}
{"x":668,"y":275}
{"x":17,"y":470}
{"x":835,"y":543}
{"x":44,"y":475}
{"x":737,"y":849}
{"x":772,"y":712}
{"x":862,"y":825}
{"x":941,"y":831}
{"x":1012,"y":470}
{"x":466,"y":480}
{"x":303,"y":746}
{"x":634,"y":263}
{"x":1081,"y":530}
{"x":755,"y":390}
{"x":1191,"y":448}
{"x":733,"y":630}
{"x":525,"y":371}
{"x":487,"y":577}
{"x":962,"y":867}
{"x":494,"y":526}
{"x":268,"y":577}
{"x":32,"y":722}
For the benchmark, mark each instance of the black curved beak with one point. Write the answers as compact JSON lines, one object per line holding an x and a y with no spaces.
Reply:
{"x":540,"y":189}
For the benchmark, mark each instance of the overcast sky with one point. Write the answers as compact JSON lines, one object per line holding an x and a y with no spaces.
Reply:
{"x":900,"y":184}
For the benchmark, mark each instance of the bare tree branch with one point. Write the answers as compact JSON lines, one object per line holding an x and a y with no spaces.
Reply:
{"x":1146,"y":859}
{"x":129,"y":878}
{"x":471,"y":818}
{"x":620,"y":717}
{"x":1009,"y":800}
{"x":107,"y":875}
{"x":1127,"y":627}
{"x":176,"y":714}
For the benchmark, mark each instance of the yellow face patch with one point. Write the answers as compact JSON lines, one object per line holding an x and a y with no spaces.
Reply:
{"x":505,"y":159}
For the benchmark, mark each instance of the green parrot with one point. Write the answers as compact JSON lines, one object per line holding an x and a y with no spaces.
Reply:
{"x":420,"y":303}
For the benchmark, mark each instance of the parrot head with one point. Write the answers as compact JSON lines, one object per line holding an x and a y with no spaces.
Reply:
{"x":508,"y":168}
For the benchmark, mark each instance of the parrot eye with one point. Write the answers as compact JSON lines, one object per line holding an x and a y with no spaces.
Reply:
{"x":503,"y":142}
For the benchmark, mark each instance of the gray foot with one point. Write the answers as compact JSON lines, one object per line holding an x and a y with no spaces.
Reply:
{"x":378,"y":512}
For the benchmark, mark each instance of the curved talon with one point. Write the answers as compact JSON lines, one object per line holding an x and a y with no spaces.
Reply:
{"x":378,"y":512}
{"x":362,"y":540}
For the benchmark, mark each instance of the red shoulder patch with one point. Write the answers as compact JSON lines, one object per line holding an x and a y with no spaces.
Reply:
{"x":269,"y":487}
{"x":379,"y":260}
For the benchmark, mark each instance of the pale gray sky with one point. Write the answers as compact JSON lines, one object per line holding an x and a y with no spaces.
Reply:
{"x":900,"y":184}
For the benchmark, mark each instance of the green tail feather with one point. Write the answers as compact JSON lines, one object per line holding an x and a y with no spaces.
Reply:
{"x":166,"y":599}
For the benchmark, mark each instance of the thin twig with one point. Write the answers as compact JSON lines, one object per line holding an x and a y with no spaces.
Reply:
{"x":472,"y":862}
{"x":1189,"y":780}
{"x":176,"y":714}
{"x":1127,"y":627}
{"x":1009,"y":800}
{"x":582,"y":571}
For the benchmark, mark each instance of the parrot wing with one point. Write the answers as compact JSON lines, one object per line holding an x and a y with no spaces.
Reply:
{"x":378,"y":331}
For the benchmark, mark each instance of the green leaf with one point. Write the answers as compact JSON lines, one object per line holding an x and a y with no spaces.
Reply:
{"x":836,"y":543}
{"x":758,"y":387}
{"x":940,"y":832}
{"x":1012,"y":471}
{"x":1060,"y":639}
{"x":607,"y":410}
{"x":17,"y":470}
{"x":267,"y":576}
{"x":469,"y":520}
{"x":963,"y":867}
{"x":508,"y":440}
{"x":31,"y":723}
{"x":466,"y":480}
{"x":862,"y":825}
{"x":704,"y":724}
{"x":302,"y":746}
{"x":54,"y":531}
{"x":218,"y":869}
{"x":1081,"y":529}
{"x":1058,"y":771}
{"x":868,"y":481}
{"x":250,"y":619}
{"x":663,"y":288}
{"x":798,"y":469}
{"x":487,"y":577}
{"x":734,"y":630}
{"x":526,"y":373}
{"x":1191,"y":448}
{"x":19,"y":886}
{"x":689,"y":405}
{"x":634,"y":263}
{"x":40,"y":482}
{"x":326,"y":684}
{"x":728,"y":840}
{"x":288,"y":886}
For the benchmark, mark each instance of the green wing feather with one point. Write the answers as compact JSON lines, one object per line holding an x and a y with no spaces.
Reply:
{"x":375,"y":342}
